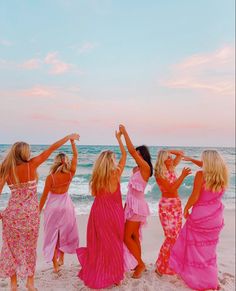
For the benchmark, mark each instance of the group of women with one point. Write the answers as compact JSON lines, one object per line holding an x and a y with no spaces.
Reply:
{"x":113,"y":231}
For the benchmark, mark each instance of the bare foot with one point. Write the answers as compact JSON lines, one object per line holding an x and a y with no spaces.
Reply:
{"x":31,"y":287}
{"x":139,"y":271}
{"x":158,"y":273}
{"x":60,"y":262}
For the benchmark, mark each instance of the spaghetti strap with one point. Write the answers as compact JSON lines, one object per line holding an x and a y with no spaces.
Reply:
{"x":53,"y":181}
{"x":28,"y":171}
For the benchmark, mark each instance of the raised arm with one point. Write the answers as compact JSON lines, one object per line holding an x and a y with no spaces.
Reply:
{"x":195,"y":193}
{"x":122,"y":161}
{"x":38,"y":160}
{"x":178,"y":156}
{"x":196,"y":162}
{"x":172,"y":187}
{"x":47,"y":187}
{"x":74,"y":158}
{"x":143,"y":165}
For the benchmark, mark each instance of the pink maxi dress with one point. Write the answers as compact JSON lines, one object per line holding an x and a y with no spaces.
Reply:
{"x":60,"y":225}
{"x":20,"y":222}
{"x":193,"y":256}
{"x":102,"y":261}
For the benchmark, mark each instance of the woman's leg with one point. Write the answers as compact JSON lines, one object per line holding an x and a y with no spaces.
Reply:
{"x":133,"y":244}
{"x":61,"y":258}
{"x":30,"y":284}
{"x":55,"y":263}
{"x":14,"y":282}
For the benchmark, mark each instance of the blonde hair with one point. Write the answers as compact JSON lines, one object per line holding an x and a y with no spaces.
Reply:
{"x":160,"y":167}
{"x":61,"y":164}
{"x":103,"y":169}
{"x":19,"y":153}
{"x":215,"y":171}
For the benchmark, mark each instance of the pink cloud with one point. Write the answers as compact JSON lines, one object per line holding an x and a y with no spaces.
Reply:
{"x":56,"y":65}
{"x":31,"y":64}
{"x":39,"y":91}
{"x":212,"y":72}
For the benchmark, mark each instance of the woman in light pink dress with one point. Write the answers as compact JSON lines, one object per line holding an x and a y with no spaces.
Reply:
{"x":20,"y":219}
{"x":102,"y":261}
{"x":136,"y":207}
{"x":170,"y":210}
{"x":60,"y":225}
{"x":193,"y":256}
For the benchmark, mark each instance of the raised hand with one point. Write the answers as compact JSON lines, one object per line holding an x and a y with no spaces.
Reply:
{"x":73,"y":136}
{"x":186,"y":171}
{"x":122,"y":128}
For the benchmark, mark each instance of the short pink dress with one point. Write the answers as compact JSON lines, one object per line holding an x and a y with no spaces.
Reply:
{"x":136,"y":208}
{"x":60,"y":225}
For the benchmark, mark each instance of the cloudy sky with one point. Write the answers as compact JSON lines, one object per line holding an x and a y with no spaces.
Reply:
{"x":165,"y":69}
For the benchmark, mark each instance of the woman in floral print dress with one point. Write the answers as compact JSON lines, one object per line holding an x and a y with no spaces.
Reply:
{"x":20,"y":219}
{"x":170,"y":210}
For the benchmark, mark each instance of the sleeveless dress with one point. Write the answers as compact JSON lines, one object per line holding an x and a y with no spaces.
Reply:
{"x":60,"y":224}
{"x":102,"y":261}
{"x":170,"y":214}
{"x":20,"y":222}
{"x":193,"y":256}
{"x":136,"y":208}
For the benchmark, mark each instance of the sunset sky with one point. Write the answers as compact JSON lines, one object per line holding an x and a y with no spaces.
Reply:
{"x":165,"y":69}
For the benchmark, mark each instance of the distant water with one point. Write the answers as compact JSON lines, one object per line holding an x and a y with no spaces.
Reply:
{"x":79,"y":189}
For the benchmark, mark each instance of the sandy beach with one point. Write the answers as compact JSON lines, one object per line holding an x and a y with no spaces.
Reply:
{"x":67,"y":278}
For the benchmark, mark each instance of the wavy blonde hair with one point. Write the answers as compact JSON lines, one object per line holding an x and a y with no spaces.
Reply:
{"x":103,"y":169}
{"x":19,"y":153}
{"x":160,"y":167}
{"x":215,"y":171}
{"x":61,"y":164}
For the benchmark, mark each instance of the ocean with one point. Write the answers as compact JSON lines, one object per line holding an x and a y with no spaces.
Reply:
{"x":79,"y":188}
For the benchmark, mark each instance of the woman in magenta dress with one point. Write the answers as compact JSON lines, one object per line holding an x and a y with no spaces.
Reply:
{"x":193,"y":256}
{"x":60,"y":225}
{"x":20,"y":219}
{"x":170,"y":210}
{"x":136,"y":207}
{"x":102,"y":261}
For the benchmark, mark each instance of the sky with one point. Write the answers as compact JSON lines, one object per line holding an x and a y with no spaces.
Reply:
{"x":164,"y":69}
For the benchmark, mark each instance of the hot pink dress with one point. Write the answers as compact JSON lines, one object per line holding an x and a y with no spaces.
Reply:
{"x":136,"y":208}
{"x":102,"y":261}
{"x":60,"y":225}
{"x":20,"y":231}
{"x":193,"y":256}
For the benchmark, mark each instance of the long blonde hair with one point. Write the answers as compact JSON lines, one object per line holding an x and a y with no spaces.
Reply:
{"x":19,"y":153}
{"x":160,"y":167}
{"x":61,"y":164}
{"x":215,"y":171}
{"x":103,"y":169}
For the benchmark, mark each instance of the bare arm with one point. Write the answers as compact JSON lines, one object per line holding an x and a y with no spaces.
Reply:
{"x":173,"y":187}
{"x":195,"y":193}
{"x":46,"y":190}
{"x":38,"y":160}
{"x":178,"y":156}
{"x":74,"y":158}
{"x":143,"y":165}
{"x":196,"y":162}
{"x":122,"y":161}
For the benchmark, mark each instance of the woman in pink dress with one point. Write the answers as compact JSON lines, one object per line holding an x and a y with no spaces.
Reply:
{"x":136,"y":207}
{"x":193,"y":256}
{"x":102,"y":261}
{"x":20,"y":219}
{"x":170,"y":210}
{"x":60,"y":225}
